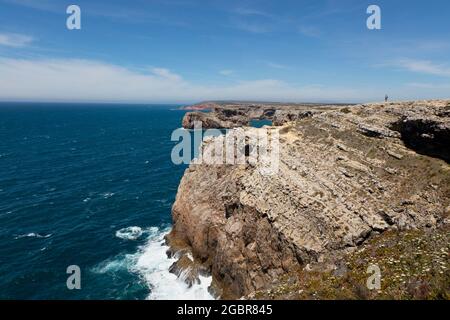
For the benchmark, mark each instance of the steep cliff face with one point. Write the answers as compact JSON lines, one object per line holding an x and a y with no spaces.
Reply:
{"x":346,"y":174}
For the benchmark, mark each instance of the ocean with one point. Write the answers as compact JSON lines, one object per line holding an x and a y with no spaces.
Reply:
{"x":92,"y":186}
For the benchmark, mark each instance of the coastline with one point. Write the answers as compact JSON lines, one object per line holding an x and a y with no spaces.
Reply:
{"x":343,"y":183}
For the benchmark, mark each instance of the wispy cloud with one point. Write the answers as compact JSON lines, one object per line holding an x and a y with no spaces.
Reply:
{"x":259,"y":21}
{"x":252,"y":12}
{"x":251,"y":26}
{"x":255,"y":20}
{"x":133,"y":15}
{"x":309,"y":31}
{"x":275,"y":65}
{"x":226,"y":72}
{"x":45,"y":5}
{"x":424,"y":66}
{"x":15,"y":40}
{"x":431,"y":45}
{"x":129,"y":12}
{"x":166,"y":74}
{"x":87,"y":80}
{"x":426,"y":85}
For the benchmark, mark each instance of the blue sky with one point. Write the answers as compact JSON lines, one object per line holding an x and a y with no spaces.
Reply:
{"x":191,"y":50}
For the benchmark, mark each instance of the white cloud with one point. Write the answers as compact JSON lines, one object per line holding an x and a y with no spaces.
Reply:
{"x":87,"y":80}
{"x":275,"y":65}
{"x":166,"y":74}
{"x":424,"y":66}
{"x":15,"y":40}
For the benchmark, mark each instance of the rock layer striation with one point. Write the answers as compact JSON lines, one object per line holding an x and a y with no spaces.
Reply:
{"x":346,"y":174}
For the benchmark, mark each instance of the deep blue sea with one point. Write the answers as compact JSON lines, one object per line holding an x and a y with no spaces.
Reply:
{"x":92,"y":186}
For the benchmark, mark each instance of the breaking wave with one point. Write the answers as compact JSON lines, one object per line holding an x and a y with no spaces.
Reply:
{"x":152,"y":265}
{"x":33,"y":235}
{"x":130,"y":233}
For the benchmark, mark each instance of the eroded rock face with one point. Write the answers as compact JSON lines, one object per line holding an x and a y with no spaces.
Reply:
{"x":187,"y":270}
{"x":238,"y":115}
{"x":282,"y":117}
{"x":427,"y":135}
{"x":345,"y":175}
{"x":207,"y":120}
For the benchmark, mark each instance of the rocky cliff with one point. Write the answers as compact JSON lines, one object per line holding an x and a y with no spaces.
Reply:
{"x":347,"y":174}
{"x":226,"y":116}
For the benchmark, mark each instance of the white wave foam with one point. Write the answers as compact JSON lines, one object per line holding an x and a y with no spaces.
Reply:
{"x":130,"y":233}
{"x":115,"y":265}
{"x":151,"y":263}
{"x":107,"y":195}
{"x":33,"y":235}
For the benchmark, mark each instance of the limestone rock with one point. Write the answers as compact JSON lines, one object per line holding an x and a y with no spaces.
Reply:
{"x":345,"y":174}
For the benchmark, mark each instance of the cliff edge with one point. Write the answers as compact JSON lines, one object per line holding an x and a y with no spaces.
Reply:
{"x":347,"y":175}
